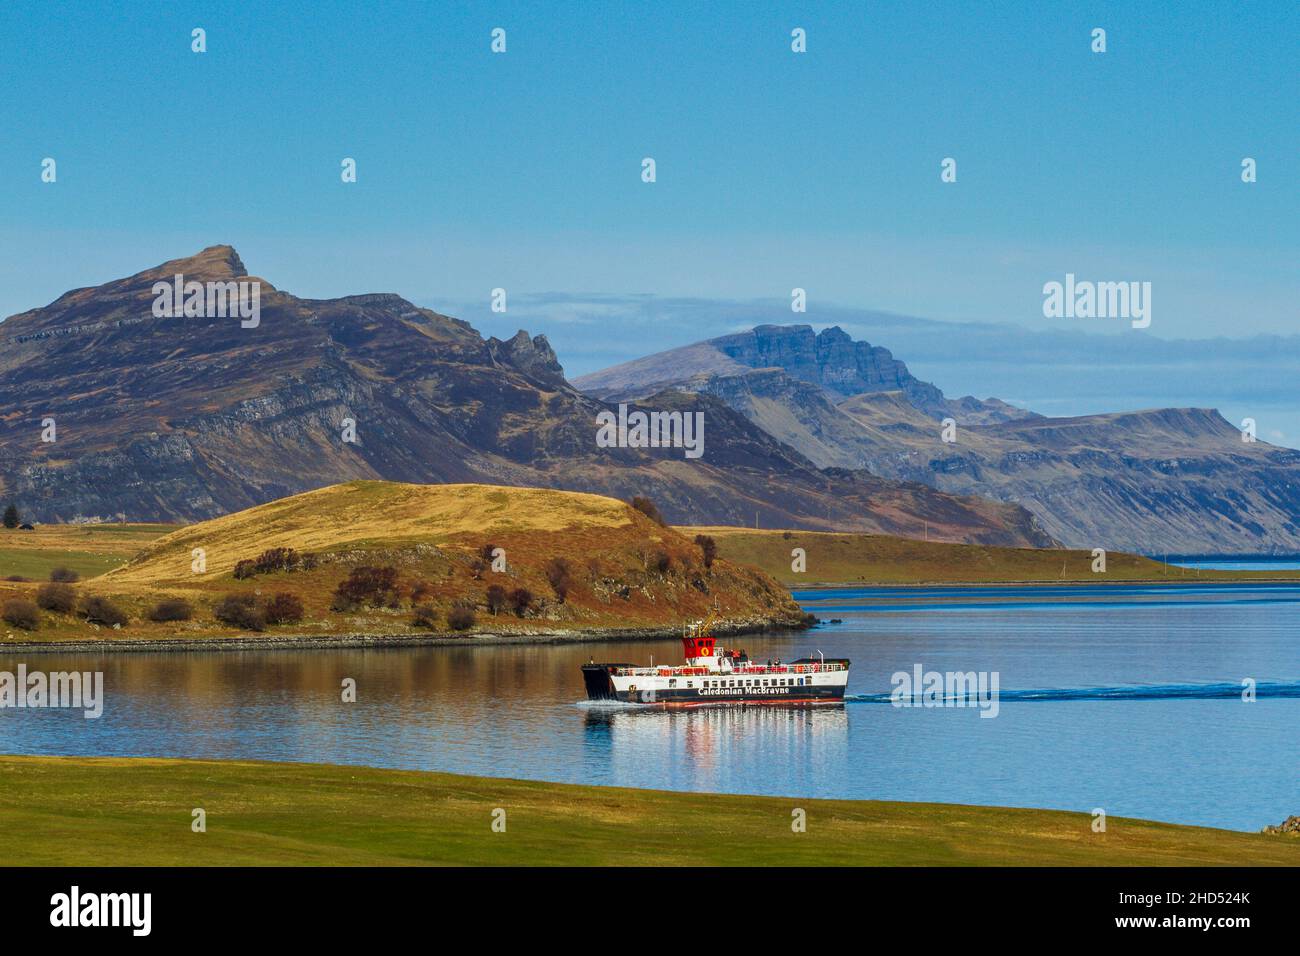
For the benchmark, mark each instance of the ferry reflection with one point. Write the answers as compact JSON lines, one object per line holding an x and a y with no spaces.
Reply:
{"x":713,"y":737}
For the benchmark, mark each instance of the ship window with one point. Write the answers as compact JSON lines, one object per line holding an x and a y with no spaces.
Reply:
{"x":672,"y":682}
{"x":690,"y":683}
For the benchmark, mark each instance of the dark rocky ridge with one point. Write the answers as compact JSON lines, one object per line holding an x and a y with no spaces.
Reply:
{"x":189,"y":418}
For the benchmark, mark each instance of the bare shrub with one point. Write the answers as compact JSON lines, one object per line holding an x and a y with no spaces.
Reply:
{"x":171,"y":609}
{"x":57,"y":597}
{"x":100,"y":610}
{"x":426,"y":616}
{"x":283,"y":608}
{"x":239,"y":610}
{"x":368,"y":585}
{"x":461,"y":617}
{"x":64,"y":575}
{"x":21,"y":613}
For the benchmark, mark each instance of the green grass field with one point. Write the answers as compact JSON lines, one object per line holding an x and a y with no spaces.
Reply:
{"x":57,"y":811}
{"x":847,"y":558}
{"x":88,"y":549}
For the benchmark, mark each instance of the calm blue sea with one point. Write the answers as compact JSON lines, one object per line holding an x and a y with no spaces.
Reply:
{"x":1122,"y":698}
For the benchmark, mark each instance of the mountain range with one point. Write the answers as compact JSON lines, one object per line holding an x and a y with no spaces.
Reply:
{"x":1173,"y":480}
{"x":110,"y":409}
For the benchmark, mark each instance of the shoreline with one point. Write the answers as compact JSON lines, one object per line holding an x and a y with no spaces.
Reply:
{"x":361,"y":640}
{"x":1140,"y":582}
{"x":249,"y":642}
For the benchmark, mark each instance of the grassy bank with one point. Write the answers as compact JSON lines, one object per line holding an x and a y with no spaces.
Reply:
{"x":80,"y":811}
{"x":835,"y":558}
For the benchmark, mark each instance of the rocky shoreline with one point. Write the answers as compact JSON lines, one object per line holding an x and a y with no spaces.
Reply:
{"x":252,"y":642}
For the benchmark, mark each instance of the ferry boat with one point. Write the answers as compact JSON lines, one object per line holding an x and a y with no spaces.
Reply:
{"x":713,"y":674}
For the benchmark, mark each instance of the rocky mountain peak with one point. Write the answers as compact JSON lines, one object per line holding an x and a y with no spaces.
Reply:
{"x":214,"y":262}
{"x":533,"y":356}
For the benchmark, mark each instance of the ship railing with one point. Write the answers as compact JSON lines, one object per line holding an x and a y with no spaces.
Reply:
{"x":755,"y":669}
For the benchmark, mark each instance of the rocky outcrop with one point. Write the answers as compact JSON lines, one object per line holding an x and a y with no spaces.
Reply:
{"x":1290,"y":827}
{"x":533,"y":356}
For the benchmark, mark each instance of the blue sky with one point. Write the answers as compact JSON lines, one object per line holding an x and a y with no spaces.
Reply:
{"x":775,"y":170}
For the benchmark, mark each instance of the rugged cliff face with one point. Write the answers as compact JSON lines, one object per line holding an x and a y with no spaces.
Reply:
{"x":1164,"y":480}
{"x":185,"y":418}
{"x":829,"y":359}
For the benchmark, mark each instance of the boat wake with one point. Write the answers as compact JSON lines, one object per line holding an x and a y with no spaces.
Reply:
{"x":1129,"y":692}
{"x":611,"y":705}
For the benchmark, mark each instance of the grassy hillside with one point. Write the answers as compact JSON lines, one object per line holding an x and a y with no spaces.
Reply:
{"x":621,"y":569}
{"x":123,"y":812}
{"x":878,"y":559}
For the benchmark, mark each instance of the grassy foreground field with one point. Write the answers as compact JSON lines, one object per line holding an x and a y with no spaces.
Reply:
{"x":81,"y":811}
{"x":835,"y":558}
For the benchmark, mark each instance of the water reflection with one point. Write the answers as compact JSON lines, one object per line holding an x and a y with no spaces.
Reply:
{"x":519,"y":711}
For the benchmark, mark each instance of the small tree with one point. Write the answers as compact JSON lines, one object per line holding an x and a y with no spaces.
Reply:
{"x":11,"y":517}
{"x":521,"y":599}
{"x":496,"y":598}
{"x":560,"y":575}
{"x":64,"y":575}
{"x":662,"y":562}
{"x":648,"y":508}
{"x":708,"y":548}
{"x":284,"y":608}
{"x":276,"y":559}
